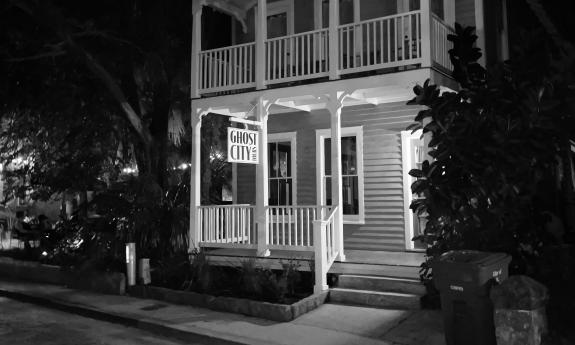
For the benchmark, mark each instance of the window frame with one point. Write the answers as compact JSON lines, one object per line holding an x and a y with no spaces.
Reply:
{"x":321,"y":135}
{"x":406,"y":152}
{"x":290,"y":137}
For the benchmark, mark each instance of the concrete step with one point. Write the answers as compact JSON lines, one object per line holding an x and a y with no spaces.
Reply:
{"x":374,"y":299}
{"x":411,"y":272}
{"x":381,"y":283}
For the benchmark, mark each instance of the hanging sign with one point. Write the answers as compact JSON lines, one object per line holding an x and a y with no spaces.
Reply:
{"x":242,"y":146}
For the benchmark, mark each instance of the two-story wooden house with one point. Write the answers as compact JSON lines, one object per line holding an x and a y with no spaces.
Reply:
{"x":324,"y":83}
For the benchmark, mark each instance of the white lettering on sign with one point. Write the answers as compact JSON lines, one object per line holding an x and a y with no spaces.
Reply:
{"x":242,"y":146}
{"x":497,"y":273}
{"x":456,"y":288}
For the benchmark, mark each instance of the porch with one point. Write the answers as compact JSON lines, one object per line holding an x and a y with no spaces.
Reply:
{"x":407,"y":39}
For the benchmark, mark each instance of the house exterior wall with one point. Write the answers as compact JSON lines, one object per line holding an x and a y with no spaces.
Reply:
{"x":383,"y":228}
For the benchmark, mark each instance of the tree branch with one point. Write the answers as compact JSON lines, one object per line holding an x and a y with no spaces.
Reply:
{"x":52,"y":54}
{"x":101,"y":73}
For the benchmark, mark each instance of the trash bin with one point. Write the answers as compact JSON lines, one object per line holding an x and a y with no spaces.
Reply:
{"x":463,"y":279}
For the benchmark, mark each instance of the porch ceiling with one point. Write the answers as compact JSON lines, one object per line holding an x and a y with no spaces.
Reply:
{"x":373,"y":90}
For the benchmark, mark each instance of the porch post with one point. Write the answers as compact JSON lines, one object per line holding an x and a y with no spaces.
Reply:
{"x":261,"y":31}
{"x":333,"y":39}
{"x":480,"y":29}
{"x":195,"y":184}
{"x":426,"y":34}
{"x":262,"y":180}
{"x":196,"y":48}
{"x":334,"y":107}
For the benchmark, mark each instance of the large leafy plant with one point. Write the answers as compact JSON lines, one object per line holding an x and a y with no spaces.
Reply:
{"x":494,"y":149}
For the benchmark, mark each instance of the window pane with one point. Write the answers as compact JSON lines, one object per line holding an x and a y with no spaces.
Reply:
{"x":272,"y":160}
{"x":327,"y":156}
{"x":284,"y":192}
{"x":348,"y":156}
{"x":328,"y":190}
{"x":273,"y":193}
{"x":284,"y":159}
{"x":437,"y":8}
{"x":345,"y":12}
{"x":350,"y":195}
{"x":277,"y":25}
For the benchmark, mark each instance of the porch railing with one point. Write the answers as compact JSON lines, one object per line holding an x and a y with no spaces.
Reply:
{"x":386,"y":42}
{"x":325,"y":249}
{"x":297,"y":57}
{"x":291,"y":227}
{"x":227,"y":68}
{"x":440,"y":46}
{"x":379,"y":43}
{"x":227,"y":226}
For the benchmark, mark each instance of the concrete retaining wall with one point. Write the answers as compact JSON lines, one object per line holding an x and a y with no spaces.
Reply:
{"x":104,"y":282}
{"x":265,"y":310}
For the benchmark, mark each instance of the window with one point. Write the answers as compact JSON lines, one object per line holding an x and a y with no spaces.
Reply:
{"x":413,"y":153}
{"x":351,"y":169}
{"x":281,"y":169}
{"x":280,"y":20}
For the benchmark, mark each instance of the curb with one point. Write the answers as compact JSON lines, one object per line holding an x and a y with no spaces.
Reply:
{"x":133,"y":322}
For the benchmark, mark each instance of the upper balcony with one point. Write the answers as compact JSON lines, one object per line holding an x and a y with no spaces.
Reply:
{"x":414,"y":38}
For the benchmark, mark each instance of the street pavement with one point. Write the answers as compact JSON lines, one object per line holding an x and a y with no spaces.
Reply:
{"x":28,"y":324}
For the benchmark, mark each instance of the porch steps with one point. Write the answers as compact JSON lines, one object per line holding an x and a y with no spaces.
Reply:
{"x":375,"y":269}
{"x":377,"y":299}
{"x":375,"y":283}
{"x":377,"y":291}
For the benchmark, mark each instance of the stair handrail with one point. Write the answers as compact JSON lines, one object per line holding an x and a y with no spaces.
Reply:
{"x":325,"y":250}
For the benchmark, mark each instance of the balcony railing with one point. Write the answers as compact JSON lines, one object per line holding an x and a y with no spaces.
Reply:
{"x":227,"y":68}
{"x":379,"y":43}
{"x":440,"y":46}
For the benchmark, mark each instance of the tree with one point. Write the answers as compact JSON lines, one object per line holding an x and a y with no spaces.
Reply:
{"x":88,"y":76}
{"x":496,"y":144}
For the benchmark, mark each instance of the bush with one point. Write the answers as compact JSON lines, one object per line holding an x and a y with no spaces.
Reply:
{"x":495,"y":146}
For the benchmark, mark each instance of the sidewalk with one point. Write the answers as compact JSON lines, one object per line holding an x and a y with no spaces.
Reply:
{"x":330,"y":324}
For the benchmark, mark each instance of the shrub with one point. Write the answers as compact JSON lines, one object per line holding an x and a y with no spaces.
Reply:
{"x":495,"y":145}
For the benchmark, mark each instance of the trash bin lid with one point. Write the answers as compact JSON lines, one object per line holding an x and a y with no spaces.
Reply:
{"x":472,"y":257}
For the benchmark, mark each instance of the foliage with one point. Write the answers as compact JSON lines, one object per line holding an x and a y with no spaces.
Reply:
{"x":200,"y":273}
{"x":248,"y":281}
{"x":495,"y":145}
{"x":140,"y":212}
{"x":84,"y":245}
{"x":90,"y":78}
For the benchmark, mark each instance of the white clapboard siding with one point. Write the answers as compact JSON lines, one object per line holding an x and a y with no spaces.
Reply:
{"x":383,"y":182}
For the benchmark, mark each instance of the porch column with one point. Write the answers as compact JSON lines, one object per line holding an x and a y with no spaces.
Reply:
{"x":480,"y":30}
{"x":334,"y":107}
{"x":196,"y":47}
{"x":262,"y":179}
{"x":426,"y":33}
{"x":261,"y":31}
{"x":333,"y":39}
{"x":195,"y":182}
